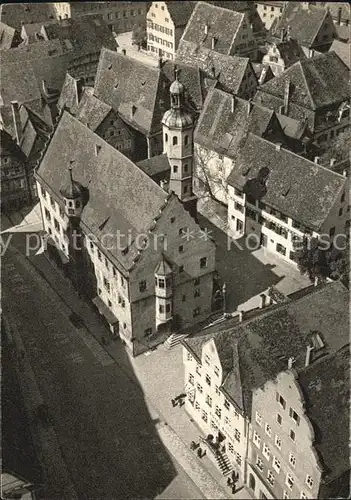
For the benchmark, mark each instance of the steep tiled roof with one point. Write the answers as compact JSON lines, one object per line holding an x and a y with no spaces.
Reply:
{"x":263,"y":72}
{"x":8,"y":146}
{"x":221,"y":130}
{"x":260,"y":347}
{"x":343,"y":50}
{"x":14,"y":14}
{"x":121,"y":196}
{"x":69,"y":94}
{"x":6,"y":36}
{"x":222,"y":25}
{"x":85,"y":35}
{"x":295,"y":129}
{"x":180,"y":12}
{"x":192,"y":80}
{"x":312,"y":83}
{"x":290,"y":51}
{"x":155,"y":165}
{"x":123,"y":83}
{"x":334,"y":9}
{"x":91,"y":111}
{"x":326,"y":388}
{"x":227,"y":70}
{"x":296,"y":186}
{"x":304,"y":22}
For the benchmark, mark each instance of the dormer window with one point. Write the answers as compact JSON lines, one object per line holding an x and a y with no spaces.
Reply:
{"x":70,"y":203}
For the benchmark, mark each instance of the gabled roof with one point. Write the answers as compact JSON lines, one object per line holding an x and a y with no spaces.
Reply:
{"x":305,"y":21}
{"x":8,"y":146}
{"x":7,"y":35}
{"x":228,"y":71}
{"x":326,"y":388}
{"x":16,"y":14}
{"x":122,"y":198}
{"x":290,"y":51}
{"x":334,"y":9}
{"x":295,"y":129}
{"x":343,"y":50}
{"x":260,"y":347}
{"x":163,"y":268}
{"x":156,"y":165}
{"x":295,"y":186}
{"x":69,"y":96}
{"x":312,"y":83}
{"x":180,"y":12}
{"x":85,"y":35}
{"x":221,"y":130}
{"x":135,"y":90}
{"x":222,"y":25}
{"x":91,"y":111}
{"x":192,"y":80}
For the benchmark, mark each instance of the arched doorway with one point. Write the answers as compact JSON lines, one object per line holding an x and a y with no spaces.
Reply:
{"x":252,"y":482}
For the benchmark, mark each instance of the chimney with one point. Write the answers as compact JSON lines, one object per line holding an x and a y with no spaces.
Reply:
{"x":338,"y":22}
{"x":332,"y":162}
{"x":79,"y":88}
{"x":159,"y":64}
{"x":282,"y":34}
{"x":290,"y":363}
{"x":278,"y":146}
{"x":206,"y":29}
{"x":241,"y":316}
{"x":308,"y":355}
{"x":344,"y":173}
{"x":249,"y":106}
{"x":262,"y":300}
{"x":233,"y":104}
{"x":213,"y":69}
{"x":213,"y":42}
{"x":286,"y":97}
{"x":17,"y":121}
{"x":316,"y":159}
{"x":124,"y":52}
{"x":97,"y":149}
{"x":132,"y":110}
{"x":316,"y":281}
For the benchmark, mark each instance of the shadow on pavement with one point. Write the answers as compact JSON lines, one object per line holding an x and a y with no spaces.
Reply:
{"x":108,"y":438}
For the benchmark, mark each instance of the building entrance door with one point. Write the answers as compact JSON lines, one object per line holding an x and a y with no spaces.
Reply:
{"x":252,"y":482}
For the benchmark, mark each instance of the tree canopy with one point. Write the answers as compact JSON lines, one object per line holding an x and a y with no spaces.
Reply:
{"x":339,"y":148}
{"x":139,"y":36}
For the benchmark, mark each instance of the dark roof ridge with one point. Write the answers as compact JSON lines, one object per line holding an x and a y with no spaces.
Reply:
{"x":295,"y":154}
{"x":213,"y":6}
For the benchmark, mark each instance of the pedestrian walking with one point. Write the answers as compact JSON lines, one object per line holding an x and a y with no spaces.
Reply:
{"x":199,"y":453}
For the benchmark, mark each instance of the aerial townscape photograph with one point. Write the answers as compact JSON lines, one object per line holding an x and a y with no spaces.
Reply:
{"x":175,"y":250}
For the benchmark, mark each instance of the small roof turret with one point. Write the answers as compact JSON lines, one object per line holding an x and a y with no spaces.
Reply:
{"x":163,"y":268}
{"x":73,"y":189}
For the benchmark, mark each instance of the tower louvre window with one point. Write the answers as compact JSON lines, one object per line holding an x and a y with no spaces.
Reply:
{"x":175,"y":140}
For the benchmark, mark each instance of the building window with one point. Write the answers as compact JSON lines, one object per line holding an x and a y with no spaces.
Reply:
{"x":294,"y":416}
{"x":197,"y":406}
{"x":281,"y":400}
{"x":203,"y":262}
{"x":278,"y":442}
{"x":236,"y":413}
{"x":56,"y":224}
{"x":217,"y":390}
{"x":209,"y":401}
{"x":237,"y":435}
{"x":342,"y":197}
{"x":175,"y":140}
{"x":292,"y":435}
{"x":183,"y":298}
{"x":340,"y":212}
{"x":198,"y":370}
{"x":266,"y":451}
{"x":181,"y":269}
{"x":161,"y":309}
{"x":218,"y":411}
{"x":208,"y":380}
{"x":258,"y":418}
{"x":238,"y":458}
{"x":148,"y":332}
{"x":168,"y":308}
{"x":289,"y":481}
{"x":191,"y":379}
{"x":166,"y":137}
{"x":279,"y":419}
{"x":106,"y":263}
{"x":309,"y":481}
{"x":226,"y":404}
{"x":256,"y":439}
{"x":47,"y":214}
{"x":199,"y":388}
{"x":175,"y":169}
{"x":281,"y":249}
{"x":196,"y":312}
{"x":216,"y":369}
{"x":331,"y":231}
{"x":181,"y":249}
{"x":186,"y":140}
{"x":204,"y":416}
{"x":270,"y":477}
{"x":189,"y":356}
{"x":142,"y":286}
{"x":285,"y":495}
{"x":292,"y":460}
{"x":303,"y":495}
{"x":259,"y":464}
{"x":268,"y":430}
{"x":276,"y":464}
{"x":197,"y":292}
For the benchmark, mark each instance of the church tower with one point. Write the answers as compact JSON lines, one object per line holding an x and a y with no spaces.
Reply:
{"x":178,"y":130}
